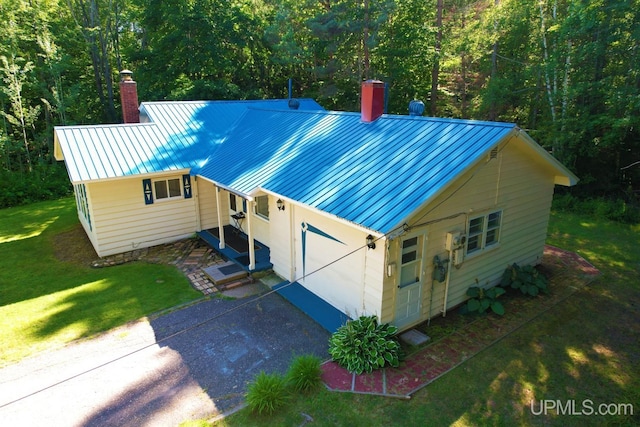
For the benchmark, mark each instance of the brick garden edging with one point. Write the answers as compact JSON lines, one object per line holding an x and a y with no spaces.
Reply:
{"x":568,"y":272}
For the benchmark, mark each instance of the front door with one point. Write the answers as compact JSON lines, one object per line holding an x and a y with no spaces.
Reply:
{"x":409,"y":292}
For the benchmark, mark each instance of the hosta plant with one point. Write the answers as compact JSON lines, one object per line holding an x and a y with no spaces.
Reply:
{"x":529,"y":280}
{"x":484,"y":299}
{"x":362,"y":345}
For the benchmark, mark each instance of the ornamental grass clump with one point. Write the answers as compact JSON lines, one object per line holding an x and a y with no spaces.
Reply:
{"x":267,"y":393}
{"x":305,"y":374}
{"x":362,"y":345}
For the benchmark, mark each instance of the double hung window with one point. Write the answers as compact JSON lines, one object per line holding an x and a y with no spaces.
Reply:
{"x":484,"y":232}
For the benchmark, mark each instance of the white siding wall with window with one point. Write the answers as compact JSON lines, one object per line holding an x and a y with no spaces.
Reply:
{"x":260,"y":219}
{"x":85,"y":210}
{"x":123,"y":222}
{"x":503,"y":206}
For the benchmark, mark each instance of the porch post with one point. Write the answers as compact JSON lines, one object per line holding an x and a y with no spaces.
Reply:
{"x":220,"y":226}
{"x":252,"y":251}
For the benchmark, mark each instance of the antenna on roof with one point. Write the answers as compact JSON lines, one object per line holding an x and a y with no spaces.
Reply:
{"x":290,"y":83}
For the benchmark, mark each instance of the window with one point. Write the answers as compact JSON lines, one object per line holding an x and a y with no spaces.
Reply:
{"x":262,"y":206}
{"x":232,"y":202}
{"x":411,"y":261}
{"x":82,"y":202}
{"x":484,"y":232}
{"x":167,"y":188}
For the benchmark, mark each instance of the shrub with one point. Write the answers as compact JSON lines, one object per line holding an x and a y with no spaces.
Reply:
{"x":624,"y":210}
{"x":527,"y":279}
{"x":484,"y":299}
{"x":362,"y":345}
{"x":267,"y":393}
{"x":304,"y":373}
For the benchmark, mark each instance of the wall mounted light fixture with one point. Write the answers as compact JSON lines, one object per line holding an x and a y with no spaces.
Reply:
{"x":280,"y":204}
{"x":371,"y":244}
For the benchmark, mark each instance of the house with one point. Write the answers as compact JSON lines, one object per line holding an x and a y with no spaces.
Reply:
{"x":388,"y":215}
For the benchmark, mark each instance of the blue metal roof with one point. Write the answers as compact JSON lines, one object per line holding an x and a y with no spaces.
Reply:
{"x":213,"y":118}
{"x":372,"y":174}
{"x":110,"y":151}
{"x":180,"y":135}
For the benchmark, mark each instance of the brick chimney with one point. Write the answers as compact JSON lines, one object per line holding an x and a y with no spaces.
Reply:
{"x":372,"y":103}
{"x":129,"y":98}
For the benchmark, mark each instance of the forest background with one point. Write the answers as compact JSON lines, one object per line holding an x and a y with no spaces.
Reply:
{"x":566,"y":71}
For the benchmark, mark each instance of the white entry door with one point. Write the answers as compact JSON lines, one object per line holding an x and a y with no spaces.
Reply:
{"x":409,"y":292}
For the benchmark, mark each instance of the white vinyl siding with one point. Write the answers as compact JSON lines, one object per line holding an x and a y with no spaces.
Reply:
{"x":208,"y":207}
{"x":122,"y":222}
{"x":504,"y":211}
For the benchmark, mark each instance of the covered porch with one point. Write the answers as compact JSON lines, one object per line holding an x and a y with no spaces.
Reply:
{"x":236,"y":247}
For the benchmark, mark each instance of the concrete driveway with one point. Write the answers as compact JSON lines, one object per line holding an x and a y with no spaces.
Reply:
{"x":192,"y":363}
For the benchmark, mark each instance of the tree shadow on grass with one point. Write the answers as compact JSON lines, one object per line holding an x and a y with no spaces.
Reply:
{"x":584,"y":350}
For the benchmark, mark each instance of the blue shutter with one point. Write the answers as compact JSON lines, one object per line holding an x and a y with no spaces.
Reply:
{"x":186,"y":185}
{"x":148,"y":192}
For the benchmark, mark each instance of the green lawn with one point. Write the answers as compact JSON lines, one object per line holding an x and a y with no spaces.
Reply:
{"x":586,"y":349}
{"x":45,"y":302}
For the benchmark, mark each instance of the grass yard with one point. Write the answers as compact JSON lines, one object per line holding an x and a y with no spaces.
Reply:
{"x":49,"y":295}
{"x":585,"y":350}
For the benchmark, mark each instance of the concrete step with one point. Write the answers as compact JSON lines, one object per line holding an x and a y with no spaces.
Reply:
{"x":228,"y":272}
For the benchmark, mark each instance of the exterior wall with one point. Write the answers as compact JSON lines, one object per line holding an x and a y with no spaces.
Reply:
{"x":281,"y":239}
{"x":307,"y":241}
{"x":260,"y":227}
{"x":206,"y":194}
{"x":511,"y":182}
{"x":122,"y":222}
{"x":85,"y":210}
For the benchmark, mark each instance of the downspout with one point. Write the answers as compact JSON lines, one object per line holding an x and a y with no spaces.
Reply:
{"x":433,"y":283}
{"x":292,"y":242}
{"x":252,"y":251}
{"x":196,"y":196}
{"x":446,"y":284}
{"x":219,"y":211}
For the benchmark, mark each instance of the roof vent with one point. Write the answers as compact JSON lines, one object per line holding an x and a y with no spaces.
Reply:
{"x":294,"y":104}
{"x":416,"y":108}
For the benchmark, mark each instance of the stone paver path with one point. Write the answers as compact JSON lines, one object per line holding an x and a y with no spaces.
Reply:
{"x":189,"y":255}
